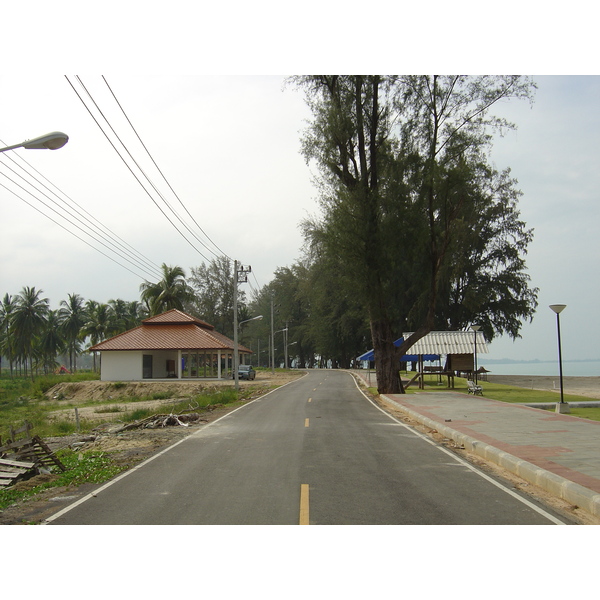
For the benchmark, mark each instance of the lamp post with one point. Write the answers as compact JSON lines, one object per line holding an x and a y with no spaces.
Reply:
{"x":562,"y":407}
{"x":287,"y":351}
{"x":284,"y":345}
{"x":475,"y":329}
{"x":236,"y":353}
{"x":50,"y":141}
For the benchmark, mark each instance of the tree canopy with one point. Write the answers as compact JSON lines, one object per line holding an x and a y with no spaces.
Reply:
{"x":411,"y":204}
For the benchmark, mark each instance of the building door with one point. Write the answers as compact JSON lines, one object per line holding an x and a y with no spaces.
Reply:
{"x":147,"y":366}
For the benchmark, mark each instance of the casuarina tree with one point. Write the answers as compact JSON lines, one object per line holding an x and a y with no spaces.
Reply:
{"x":404,"y":177}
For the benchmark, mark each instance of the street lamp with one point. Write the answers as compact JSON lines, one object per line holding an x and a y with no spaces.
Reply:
{"x":284,"y":346}
{"x":236,"y":353}
{"x":287,"y":352}
{"x":475,"y":329}
{"x":563,"y":407}
{"x":50,"y":141}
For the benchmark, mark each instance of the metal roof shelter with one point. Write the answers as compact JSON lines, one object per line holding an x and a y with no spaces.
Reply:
{"x":458,"y":346}
{"x":436,"y":343}
{"x":449,"y":342}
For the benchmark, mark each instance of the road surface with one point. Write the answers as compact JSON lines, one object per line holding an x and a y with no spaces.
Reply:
{"x":315,"y":451}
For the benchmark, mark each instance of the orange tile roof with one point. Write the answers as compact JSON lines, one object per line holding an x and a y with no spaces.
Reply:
{"x":170,"y":331}
{"x":176,"y":316}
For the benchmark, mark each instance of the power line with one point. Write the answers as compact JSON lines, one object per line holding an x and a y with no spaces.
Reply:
{"x":69,"y":231}
{"x":139,"y":266}
{"x":159,"y":170}
{"x":140,"y":169}
{"x":89,"y":221}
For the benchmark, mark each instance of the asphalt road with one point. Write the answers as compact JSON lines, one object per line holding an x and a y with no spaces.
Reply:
{"x":316,"y":451}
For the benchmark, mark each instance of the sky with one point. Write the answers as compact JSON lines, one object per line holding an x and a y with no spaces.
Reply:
{"x":229,"y":146}
{"x":205,"y":92}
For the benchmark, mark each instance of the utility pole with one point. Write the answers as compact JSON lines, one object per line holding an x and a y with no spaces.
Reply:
{"x":272,"y":340}
{"x":285,"y":360}
{"x":240,"y":275}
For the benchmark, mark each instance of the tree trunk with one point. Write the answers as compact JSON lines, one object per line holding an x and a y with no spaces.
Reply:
{"x":386,"y":358}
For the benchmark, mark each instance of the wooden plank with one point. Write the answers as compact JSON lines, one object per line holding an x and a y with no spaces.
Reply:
{"x":9,"y":475}
{"x":16,"y":463}
{"x":13,"y":445}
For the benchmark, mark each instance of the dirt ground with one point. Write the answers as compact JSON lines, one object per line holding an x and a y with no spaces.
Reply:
{"x":103,"y":391}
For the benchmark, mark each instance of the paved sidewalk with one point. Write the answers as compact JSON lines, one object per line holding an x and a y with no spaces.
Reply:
{"x":559,"y":453}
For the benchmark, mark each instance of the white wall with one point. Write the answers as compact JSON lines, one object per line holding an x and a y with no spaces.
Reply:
{"x":121,"y":366}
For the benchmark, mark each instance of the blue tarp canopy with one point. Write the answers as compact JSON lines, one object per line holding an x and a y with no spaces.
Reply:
{"x":370,"y":355}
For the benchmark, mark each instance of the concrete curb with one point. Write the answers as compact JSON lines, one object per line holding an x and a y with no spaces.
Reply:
{"x":560,"y":487}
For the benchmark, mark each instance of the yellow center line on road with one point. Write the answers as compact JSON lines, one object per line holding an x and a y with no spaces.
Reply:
{"x":306,"y":422}
{"x":310,"y":399}
{"x":304,"y":518}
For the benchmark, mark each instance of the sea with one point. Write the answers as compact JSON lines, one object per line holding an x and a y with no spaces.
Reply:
{"x":576,"y":368}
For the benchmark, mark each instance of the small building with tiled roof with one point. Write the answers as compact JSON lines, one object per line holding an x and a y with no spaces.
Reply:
{"x":172,"y":345}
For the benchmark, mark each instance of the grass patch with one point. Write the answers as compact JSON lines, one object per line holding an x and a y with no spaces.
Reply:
{"x":138,"y":414}
{"x":586,"y":413}
{"x":20,"y":400}
{"x":499,"y":391}
{"x":82,"y":467}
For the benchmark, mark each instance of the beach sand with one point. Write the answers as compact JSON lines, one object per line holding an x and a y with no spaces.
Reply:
{"x":580,"y":386}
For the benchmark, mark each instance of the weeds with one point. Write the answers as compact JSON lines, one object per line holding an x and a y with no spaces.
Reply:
{"x":82,"y":467}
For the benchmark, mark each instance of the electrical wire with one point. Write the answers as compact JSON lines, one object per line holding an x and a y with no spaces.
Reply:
{"x":96,"y":228}
{"x":160,"y":171}
{"x":140,"y":267}
{"x":141,"y":170}
{"x":69,"y":231}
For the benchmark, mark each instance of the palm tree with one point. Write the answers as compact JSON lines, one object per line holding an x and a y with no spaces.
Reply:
{"x":134,"y":314}
{"x":28,"y":320}
{"x":72,"y":317}
{"x":99,"y":324}
{"x":7,"y":346}
{"x":51,"y":342}
{"x":172,"y":291}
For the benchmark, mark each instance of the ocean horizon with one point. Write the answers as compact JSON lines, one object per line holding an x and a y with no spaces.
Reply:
{"x":576,"y":368}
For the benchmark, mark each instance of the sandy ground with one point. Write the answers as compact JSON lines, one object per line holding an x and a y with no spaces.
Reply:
{"x":580,"y":386}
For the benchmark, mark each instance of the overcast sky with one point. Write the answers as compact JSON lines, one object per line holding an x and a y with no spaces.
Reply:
{"x":203,"y":86}
{"x":229,"y":147}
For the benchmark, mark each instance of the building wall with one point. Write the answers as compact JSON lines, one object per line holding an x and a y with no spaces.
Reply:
{"x":121,"y":366}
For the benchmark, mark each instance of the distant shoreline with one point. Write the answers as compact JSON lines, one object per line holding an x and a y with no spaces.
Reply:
{"x":583,"y":385}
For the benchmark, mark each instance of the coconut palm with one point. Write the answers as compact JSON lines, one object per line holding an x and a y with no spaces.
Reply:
{"x":72,"y":316}
{"x":28,"y":321}
{"x":51,"y":342}
{"x":172,"y":291}
{"x":99,"y":324}
{"x":7,"y":346}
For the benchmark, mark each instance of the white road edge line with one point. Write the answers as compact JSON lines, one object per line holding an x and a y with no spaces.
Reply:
{"x":93,"y":494}
{"x":463,"y":462}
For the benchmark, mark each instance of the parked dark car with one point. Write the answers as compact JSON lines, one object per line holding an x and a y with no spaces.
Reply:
{"x":246,"y":372}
